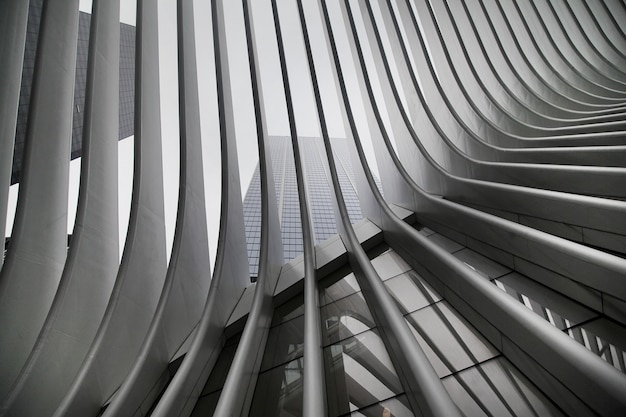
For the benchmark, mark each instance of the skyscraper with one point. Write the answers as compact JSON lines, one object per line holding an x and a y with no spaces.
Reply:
{"x":488,"y":279}
{"x":318,"y":190}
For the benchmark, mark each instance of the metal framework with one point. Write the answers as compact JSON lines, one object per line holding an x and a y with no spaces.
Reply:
{"x":488,"y":279}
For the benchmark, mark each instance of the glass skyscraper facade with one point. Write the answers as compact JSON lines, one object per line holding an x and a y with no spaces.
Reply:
{"x":318,"y":188}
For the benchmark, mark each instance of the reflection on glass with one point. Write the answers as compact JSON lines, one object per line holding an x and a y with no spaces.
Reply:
{"x":497,"y":388}
{"x":411,"y":292}
{"x":289,"y":310}
{"x":284,"y":343}
{"x":359,"y":373}
{"x":342,"y":288}
{"x":222,"y":366}
{"x":211,"y":392}
{"x":448,"y":340}
{"x":604,"y":338}
{"x":393,"y":407}
{"x":205,"y":406}
{"x":345,"y":318}
{"x":279,"y":391}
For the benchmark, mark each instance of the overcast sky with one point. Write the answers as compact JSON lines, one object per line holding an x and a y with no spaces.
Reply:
{"x":275,"y":108}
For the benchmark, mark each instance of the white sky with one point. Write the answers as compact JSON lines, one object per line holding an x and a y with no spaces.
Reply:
{"x":242,"y":99}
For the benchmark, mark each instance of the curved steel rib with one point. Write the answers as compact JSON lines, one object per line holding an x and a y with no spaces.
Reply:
{"x":555,"y":352}
{"x":506,"y":119}
{"x":188,"y":275}
{"x":143,"y":266}
{"x":231,"y":271}
{"x":426,"y":393}
{"x":425,"y":168}
{"x":314,"y":390}
{"x":236,"y":396}
{"x":13,"y":21}
{"x":34,"y":263}
{"x":93,"y":255}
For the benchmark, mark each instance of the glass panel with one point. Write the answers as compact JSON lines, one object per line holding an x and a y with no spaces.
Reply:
{"x":318,"y":189}
{"x":252,"y":221}
{"x":222,"y":366}
{"x":389,"y":264}
{"x":448,"y":340}
{"x":445,"y":243}
{"x":359,"y":373}
{"x":426,"y":231}
{"x":497,"y":388}
{"x":211,"y":392}
{"x":345,"y":174}
{"x":411,"y":292}
{"x":284,"y":343}
{"x":287,"y":196}
{"x":342,"y":288}
{"x":206,"y":405}
{"x":481,"y":264}
{"x":393,"y":407}
{"x":279,"y":391}
{"x":604,"y":338}
{"x":289,"y":310}
{"x":345,"y":318}
{"x":560,"y":311}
